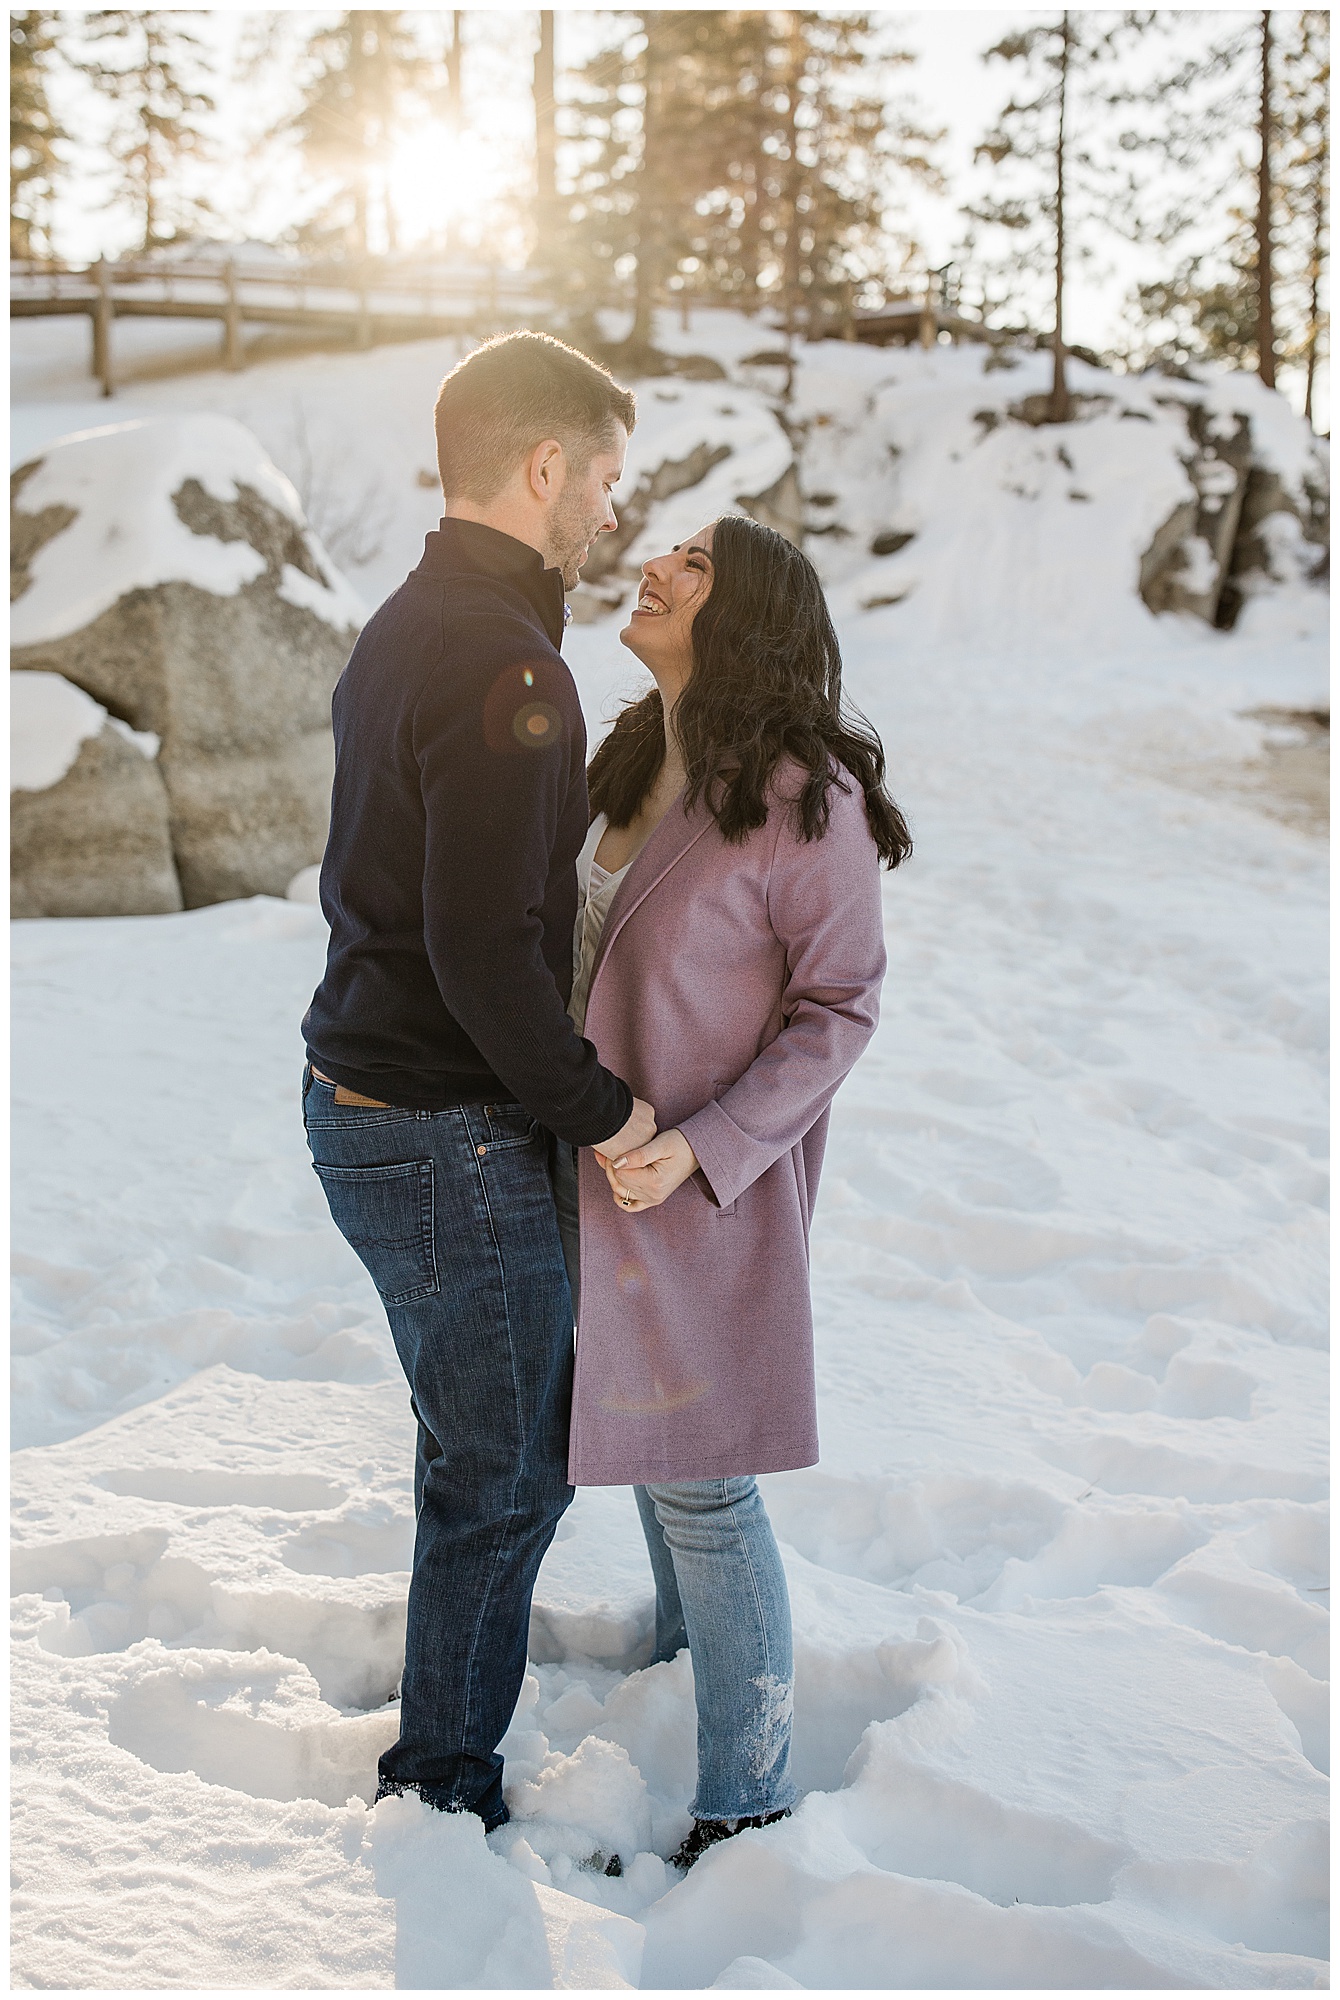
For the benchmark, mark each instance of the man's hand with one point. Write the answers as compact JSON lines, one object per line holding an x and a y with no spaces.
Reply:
{"x":640,"y":1128}
{"x":647,"y":1176}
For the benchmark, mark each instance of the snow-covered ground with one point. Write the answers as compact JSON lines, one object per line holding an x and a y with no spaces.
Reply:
{"x":1060,"y":1581}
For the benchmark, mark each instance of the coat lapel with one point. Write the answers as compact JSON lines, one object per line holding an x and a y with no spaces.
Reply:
{"x":670,"y":840}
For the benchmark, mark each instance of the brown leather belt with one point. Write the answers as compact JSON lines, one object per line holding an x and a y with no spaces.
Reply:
{"x":343,"y":1095}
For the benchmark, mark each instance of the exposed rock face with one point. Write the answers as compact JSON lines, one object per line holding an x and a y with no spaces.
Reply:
{"x":97,"y":843}
{"x":1280,"y":539}
{"x":1185,"y":565}
{"x":781,"y":507}
{"x":222,"y":629}
{"x":1245,"y":530}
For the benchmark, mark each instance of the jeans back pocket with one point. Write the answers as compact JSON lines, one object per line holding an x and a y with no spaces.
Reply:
{"x":385,"y":1215}
{"x":510,"y":1125}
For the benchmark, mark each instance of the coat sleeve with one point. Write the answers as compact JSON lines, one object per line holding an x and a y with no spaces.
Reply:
{"x":824,"y":905}
{"x":497,"y":757}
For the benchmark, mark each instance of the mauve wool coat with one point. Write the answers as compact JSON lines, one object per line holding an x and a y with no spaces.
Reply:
{"x":734,"y":988}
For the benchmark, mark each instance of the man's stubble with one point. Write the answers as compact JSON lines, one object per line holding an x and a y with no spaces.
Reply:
{"x":573,"y":528}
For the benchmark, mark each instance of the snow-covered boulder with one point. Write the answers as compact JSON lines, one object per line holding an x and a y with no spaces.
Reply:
{"x":89,"y":830}
{"x":165,"y":568}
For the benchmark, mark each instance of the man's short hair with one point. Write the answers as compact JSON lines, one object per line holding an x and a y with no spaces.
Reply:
{"x":511,"y":394}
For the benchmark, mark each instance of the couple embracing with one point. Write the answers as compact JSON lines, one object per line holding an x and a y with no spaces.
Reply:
{"x":572,"y":1057}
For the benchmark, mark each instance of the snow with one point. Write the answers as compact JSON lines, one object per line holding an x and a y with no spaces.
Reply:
{"x":1059,"y":1582}
{"x":103,"y":554}
{"x":49,"y":718}
{"x":306,"y":885}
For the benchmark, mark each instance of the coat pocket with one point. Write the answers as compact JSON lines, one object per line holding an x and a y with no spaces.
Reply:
{"x":385,"y":1215}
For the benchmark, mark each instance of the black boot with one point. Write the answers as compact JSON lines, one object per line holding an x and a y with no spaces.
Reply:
{"x":707,"y":1832}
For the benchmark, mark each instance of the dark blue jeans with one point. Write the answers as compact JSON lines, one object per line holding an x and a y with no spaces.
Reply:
{"x":452,"y":1212}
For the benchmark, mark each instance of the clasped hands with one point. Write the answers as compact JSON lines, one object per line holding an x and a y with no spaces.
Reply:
{"x":645,"y":1176}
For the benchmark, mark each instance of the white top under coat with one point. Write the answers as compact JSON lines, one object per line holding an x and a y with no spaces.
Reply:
{"x":597,"y":887}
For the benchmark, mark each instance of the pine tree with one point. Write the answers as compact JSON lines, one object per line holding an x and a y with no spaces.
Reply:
{"x":736,"y":154}
{"x":1265,"y":206}
{"x":1303,"y":181}
{"x":152,"y":69}
{"x":1242,"y":125}
{"x":839,"y":142}
{"x":1053,"y":130}
{"x":629,"y":107}
{"x":361,"y":70}
{"x":35,"y":135}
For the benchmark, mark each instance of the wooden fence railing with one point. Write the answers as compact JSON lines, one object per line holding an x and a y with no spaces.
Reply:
{"x":360,"y":303}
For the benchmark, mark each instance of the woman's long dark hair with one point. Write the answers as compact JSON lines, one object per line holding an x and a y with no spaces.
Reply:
{"x":766,"y":684}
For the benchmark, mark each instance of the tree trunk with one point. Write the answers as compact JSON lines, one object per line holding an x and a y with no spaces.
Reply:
{"x":1060,"y":412}
{"x":151,"y":204}
{"x":1265,"y":312}
{"x":146,"y":75}
{"x":791,"y":271}
{"x":1314,"y":274}
{"x":650,"y":246}
{"x":750,"y":245}
{"x":546,"y":136}
{"x":388,"y":215}
{"x":454,"y":74}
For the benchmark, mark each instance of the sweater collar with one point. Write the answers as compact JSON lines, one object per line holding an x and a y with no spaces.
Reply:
{"x":458,"y":548}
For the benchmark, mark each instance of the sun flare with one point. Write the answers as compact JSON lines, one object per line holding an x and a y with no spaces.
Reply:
{"x":436,"y":180}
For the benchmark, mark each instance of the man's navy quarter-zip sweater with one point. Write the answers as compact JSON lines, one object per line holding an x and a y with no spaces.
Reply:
{"x":449,"y":879}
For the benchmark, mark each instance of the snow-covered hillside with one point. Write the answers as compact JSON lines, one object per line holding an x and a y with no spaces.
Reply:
{"x":1008,"y":530}
{"x":1060,"y":1581}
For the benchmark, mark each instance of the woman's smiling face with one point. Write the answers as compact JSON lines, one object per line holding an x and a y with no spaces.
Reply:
{"x":674,"y":587}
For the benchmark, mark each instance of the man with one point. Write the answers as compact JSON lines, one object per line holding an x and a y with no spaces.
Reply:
{"x":441,"y":1060}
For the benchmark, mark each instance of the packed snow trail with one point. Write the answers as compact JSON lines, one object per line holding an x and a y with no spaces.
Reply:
{"x":1059,"y":1583}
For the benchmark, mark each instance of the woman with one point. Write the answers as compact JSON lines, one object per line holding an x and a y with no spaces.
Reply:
{"x":729,"y":952}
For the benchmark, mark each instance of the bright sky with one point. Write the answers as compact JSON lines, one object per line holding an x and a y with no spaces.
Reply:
{"x":258,"y":187}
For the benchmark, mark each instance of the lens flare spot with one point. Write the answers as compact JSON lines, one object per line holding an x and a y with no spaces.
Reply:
{"x":529,"y":678}
{"x":632,"y":1278}
{"x":537,"y":724}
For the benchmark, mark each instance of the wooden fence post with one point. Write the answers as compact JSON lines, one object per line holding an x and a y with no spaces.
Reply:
{"x":927,"y":327}
{"x":102,"y":328}
{"x":233,"y":354}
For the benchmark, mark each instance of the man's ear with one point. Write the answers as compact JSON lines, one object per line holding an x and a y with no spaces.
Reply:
{"x":546,"y":469}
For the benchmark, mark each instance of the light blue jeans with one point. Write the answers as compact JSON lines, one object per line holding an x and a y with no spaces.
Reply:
{"x":720,"y":1590}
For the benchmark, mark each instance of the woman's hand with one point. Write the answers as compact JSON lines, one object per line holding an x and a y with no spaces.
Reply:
{"x":645,"y":1177}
